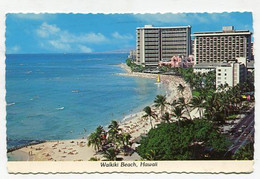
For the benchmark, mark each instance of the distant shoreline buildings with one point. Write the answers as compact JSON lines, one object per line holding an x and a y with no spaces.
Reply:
{"x":227,"y":51}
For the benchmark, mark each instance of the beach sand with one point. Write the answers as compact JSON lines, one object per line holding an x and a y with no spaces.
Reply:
{"x":63,"y":150}
{"x":135,"y":124}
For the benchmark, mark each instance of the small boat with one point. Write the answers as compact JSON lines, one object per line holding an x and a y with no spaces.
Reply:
{"x":158,"y":80}
{"x":75,"y":91}
{"x":61,"y":108}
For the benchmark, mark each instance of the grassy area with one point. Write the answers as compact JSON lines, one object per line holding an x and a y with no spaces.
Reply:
{"x":231,"y":117}
{"x":195,"y":93}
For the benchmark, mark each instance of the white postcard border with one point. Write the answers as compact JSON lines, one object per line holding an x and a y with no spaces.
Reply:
{"x":122,"y":6}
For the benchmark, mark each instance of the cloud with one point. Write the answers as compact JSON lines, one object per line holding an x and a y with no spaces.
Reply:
{"x":162,"y":18}
{"x":45,"y":30}
{"x":116,"y":35}
{"x":52,"y":36}
{"x":84,"y":49}
{"x":59,"y":45}
{"x":31,"y":16}
{"x":94,"y":38}
{"x":182,"y":18}
{"x":14,"y":49}
{"x":83,"y":38}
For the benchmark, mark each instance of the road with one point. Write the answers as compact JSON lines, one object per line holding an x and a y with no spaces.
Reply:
{"x":243,"y":132}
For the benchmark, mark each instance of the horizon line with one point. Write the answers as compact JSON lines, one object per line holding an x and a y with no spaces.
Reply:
{"x":64,"y":53}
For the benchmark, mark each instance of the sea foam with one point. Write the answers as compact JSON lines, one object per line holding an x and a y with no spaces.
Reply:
{"x":10,"y":104}
{"x":61,"y":108}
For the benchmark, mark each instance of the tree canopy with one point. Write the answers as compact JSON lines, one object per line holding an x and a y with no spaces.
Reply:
{"x":134,"y":67}
{"x":184,"y":140}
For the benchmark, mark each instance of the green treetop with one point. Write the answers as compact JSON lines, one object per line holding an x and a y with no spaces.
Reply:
{"x":185,"y":140}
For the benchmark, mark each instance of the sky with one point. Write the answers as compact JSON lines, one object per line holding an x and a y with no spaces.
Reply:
{"x":93,"y":33}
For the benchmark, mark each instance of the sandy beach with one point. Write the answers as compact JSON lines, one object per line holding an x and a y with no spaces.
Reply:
{"x":64,"y":150}
{"x":77,"y":150}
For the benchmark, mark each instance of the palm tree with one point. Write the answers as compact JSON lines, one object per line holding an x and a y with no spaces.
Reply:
{"x":100,"y":130}
{"x":182,"y":103}
{"x":114,"y":126}
{"x":223,"y":87}
{"x":190,"y":81}
{"x":96,"y":138}
{"x":197,"y":103}
{"x":178,"y":113}
{"x":160,"y":101}
{"x":214,"y":115}
{"x":93,"y":140}
{"x":149,"y":114}
{"x":181,"y":89}
{"x":215,"y":108}
{"x":110,"y":154}
{"x":235,"y":99}
{"x":113,"y":131}
{"x":166,"y":117}
{"x":220,"y":87}
{"x":173,"y":104}
{"x":125,"y":140}
{"x":226,"y":86}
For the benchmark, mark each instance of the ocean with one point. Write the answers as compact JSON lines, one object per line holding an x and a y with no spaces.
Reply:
{"x":66,"y":96}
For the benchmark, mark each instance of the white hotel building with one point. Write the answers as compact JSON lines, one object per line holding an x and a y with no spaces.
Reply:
{"x":231,"y":73}
{"x":219,"y":46}
{"x":154,"y":44}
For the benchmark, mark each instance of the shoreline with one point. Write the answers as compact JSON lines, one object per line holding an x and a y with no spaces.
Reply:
{"x":25,"y":145}
{"x":171,"y":82}
{"x":133,"y":123}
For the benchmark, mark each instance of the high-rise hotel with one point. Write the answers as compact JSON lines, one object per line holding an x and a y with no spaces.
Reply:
{"x":219,"y":46}
{"x":154,"y":44}
{"x":226,"y":52}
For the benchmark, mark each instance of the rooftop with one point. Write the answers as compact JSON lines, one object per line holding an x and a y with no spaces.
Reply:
{"x":223,"y":33}
{"x":226,"y":30}
{"x":250,"y":64}
{"x":212,"y":65}
{"x":171,"y":27}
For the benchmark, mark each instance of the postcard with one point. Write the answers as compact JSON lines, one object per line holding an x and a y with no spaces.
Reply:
{"x":130,"y":92}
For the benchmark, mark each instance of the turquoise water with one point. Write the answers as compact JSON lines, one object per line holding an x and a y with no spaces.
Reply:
{"x":56,"y":96}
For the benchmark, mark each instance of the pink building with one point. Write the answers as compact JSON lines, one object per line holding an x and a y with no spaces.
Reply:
{"x":178,"y":61}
